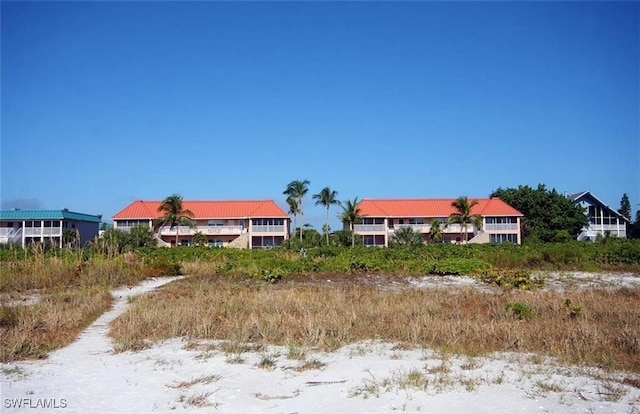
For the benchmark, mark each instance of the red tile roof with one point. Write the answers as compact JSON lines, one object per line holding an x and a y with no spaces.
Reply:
{"x":140,"y":209}
{"x":431,"y":207}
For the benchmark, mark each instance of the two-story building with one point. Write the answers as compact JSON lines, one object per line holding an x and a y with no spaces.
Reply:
{"x":380,"y":218}
{"x":27,"y":226}
{"x":603,"y":220}
{"x":250,"y":224}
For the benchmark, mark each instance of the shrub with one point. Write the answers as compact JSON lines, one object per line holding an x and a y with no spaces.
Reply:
{"x":511,"y":278}
{"x":521,"y":310}
{"x":271,"y":276}
{"x":574,"y":310}
{"x":457,"y":267}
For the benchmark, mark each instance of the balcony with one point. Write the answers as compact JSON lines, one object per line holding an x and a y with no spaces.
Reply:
{"x":420,"y":228}
{"x":6,"y":231}
{"x":43,"y":231}
{"x":270,"y":228}
{"x":363,"y":228}
{"x":457,"y":228}
{"x":501,"y":227}
{"x":206,"y":230}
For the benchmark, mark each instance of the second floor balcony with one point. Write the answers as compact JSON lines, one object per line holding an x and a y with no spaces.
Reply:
{"x":363,"y":228}
{"x":206,"y":230}
{"x":268,"y":228}
{"x":43,"y":231}
{"x":501,"y":227}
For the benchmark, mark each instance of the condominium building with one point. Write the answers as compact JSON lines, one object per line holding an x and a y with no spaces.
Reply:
{"x":27,"y":226}
{"x":234,"y":223}
{"x":380,"y":218}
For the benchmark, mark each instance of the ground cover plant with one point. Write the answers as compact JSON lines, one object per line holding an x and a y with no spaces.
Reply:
{"x":315,"y":313}
{"x":612,"y":255}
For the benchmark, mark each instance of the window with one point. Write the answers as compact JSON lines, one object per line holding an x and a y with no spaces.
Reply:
{"x":503,"y":238}
{"x":501,"y":220}
{"x":215,"y":223}
{"x":416,"y":221}
{"x":268,"y":222}
{"x":216,"y":243}
{"x":369,"y":220}
{"x":368,"y":240}
{"x":184,"y":242}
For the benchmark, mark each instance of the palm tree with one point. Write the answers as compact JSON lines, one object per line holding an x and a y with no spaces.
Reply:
{"x":70,"y":237}
{"x":298,"y":189}
{"x":435,"y":233}
{"x":174,"y":215}
{"x":405,"y":237}
{"x":350,"y":214}
{"x":463,"y":215}
{"x":293,"y":209}
{"x":326,"y":197}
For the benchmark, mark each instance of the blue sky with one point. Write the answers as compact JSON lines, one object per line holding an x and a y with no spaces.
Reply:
{"x":107,"y":102}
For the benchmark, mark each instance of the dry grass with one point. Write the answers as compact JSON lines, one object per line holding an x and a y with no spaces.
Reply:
{"x":55,"y":273}
{"x":328,"y":316}
{"x":53,"y":322}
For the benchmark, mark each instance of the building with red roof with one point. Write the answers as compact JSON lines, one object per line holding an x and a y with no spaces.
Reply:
{"x":380,"y":218}
{"x":231,"y":223}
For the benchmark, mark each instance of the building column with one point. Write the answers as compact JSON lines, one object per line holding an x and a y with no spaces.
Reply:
{"x":24,"y":245}
{"x":602,"y":222}
{"x":62,"y":233}
{"x":41,"y":231}
{"x":250,"y":231}
{"x":386,"y":232}
{"x":519,"y":231}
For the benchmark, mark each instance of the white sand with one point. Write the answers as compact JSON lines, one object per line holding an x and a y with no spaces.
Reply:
{"x":87,"y":377}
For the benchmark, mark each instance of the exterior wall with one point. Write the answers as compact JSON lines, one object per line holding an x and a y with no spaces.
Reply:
{"x":87,"y":230}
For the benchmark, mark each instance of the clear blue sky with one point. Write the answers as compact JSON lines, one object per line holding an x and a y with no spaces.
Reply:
{"x":107,"y":102}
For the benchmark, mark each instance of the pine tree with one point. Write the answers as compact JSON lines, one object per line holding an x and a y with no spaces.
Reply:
{"x":625,"y":206}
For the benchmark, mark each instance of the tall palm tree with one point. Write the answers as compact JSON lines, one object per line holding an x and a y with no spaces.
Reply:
{"x":298,"y":189}
{"x":463,"y":215}
{"x":293,"y":209}
{"x":350,"y":214}
{"x":174,"y":215}
{"x":326,"y":197}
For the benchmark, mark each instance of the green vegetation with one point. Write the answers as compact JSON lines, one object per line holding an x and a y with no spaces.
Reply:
{"x":438,"y":258}
{"x":548,"y":215}
{"x":521,"y":310}
{"x":405,"y":237}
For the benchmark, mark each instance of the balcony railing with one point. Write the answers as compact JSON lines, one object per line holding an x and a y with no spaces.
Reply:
{"x":206,"y":230}
{"x":269,"y":228}
{"x":501,"y":227}
{"x":368,"y":228}
{"x":420,"y":228}
{"x":43,"y":231}
{"x":457,"y":228}
{"x":6,"y":231}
